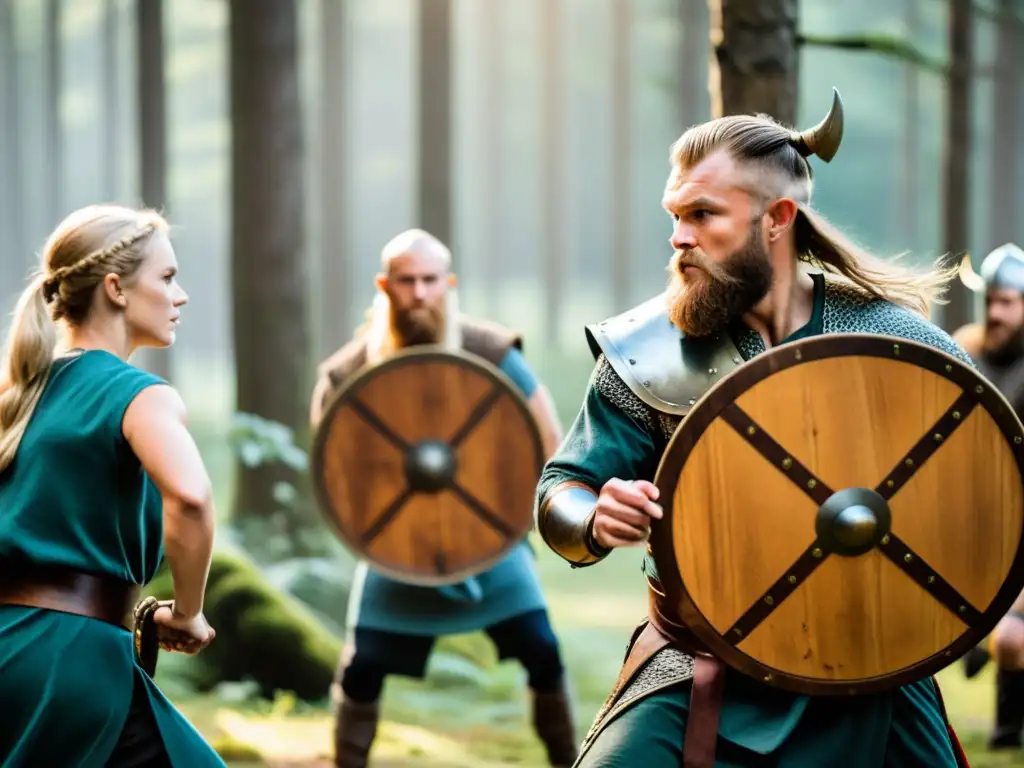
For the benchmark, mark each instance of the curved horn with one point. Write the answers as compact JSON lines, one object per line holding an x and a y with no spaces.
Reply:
{"x":971,"y":279}
{"x":823,"y":139}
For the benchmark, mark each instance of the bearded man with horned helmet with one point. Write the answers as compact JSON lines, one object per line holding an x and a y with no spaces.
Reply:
{"x":997,"y":347}
{"x":391,"y":624}
{"x":754,"y":267}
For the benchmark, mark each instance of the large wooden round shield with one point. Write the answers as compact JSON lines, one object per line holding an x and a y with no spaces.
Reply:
{"x":844,"y":514}
{"x":427,"y":464}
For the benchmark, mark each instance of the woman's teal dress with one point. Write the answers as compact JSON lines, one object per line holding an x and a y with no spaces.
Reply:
{"x":76,"y":496}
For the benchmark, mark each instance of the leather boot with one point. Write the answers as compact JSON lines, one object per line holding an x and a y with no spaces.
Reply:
{"x":553,"y":722}
{"x":1009,"y":710}
{"x":355,"y":727}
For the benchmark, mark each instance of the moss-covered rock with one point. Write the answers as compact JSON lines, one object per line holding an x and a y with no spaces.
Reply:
{"x":263,"y":634}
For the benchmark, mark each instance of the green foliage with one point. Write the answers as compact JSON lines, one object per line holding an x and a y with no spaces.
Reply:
{"x":288,"y":532}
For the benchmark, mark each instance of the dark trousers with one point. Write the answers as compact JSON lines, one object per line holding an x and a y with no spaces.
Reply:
{"x":140,"y":743}
{"x":528,"y":638}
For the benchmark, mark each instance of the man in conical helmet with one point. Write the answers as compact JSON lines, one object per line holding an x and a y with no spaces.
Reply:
{"x":997,"y":346}
{"x":753,"y":264}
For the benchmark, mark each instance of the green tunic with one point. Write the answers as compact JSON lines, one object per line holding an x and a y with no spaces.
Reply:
{"x":76,"y":496}
{"x":617,"y":435}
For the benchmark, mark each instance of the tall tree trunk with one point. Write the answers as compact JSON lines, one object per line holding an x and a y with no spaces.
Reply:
{"x":492,"y":121}
{"x":907,"y":209}
{"x":152,"y":131}
{"x":757,"y":59}
{"x":695,"y":22}
{"x":53,"y":127}
{"x":1005,"y":106}
{"x":435,"y":95}
{"x":110,"y":46}
{"x":268,"y":257}
{"x":14,"y":252}
{"x":335,"y":276}
{"x":555,"y":250}
{"x":622,"y":266}
{"x":956,"y":170}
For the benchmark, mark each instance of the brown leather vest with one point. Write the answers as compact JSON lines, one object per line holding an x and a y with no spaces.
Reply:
{"x":483,"y":338}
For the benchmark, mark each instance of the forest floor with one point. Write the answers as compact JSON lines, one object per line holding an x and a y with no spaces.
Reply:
{"x":462,"y":716}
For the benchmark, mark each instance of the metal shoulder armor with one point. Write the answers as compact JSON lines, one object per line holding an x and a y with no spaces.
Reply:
{"x":667,"y":370}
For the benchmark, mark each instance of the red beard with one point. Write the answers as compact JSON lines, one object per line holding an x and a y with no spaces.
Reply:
{"x":719,"y":293}
{"x":420,"y":325}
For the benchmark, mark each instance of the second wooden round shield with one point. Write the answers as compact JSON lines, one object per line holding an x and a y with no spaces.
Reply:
{"x":844,"y":514}
{"x":427,"y":464}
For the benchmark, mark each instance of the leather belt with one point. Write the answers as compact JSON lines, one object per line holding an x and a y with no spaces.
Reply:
{"x":70,"y":591}
{"x":707,"y":688}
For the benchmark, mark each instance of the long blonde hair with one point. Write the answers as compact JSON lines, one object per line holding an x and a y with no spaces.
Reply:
{"x":778,"y":158}
{"x":90,"y":243}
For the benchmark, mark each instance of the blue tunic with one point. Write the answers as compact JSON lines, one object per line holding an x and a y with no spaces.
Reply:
{"x":76,"y":496}
{"x":508,"y":589}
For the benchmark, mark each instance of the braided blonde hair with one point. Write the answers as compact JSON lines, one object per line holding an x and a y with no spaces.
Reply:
{"x":90,"y":243}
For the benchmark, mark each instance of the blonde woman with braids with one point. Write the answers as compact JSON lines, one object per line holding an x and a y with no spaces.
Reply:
{"x":99,"y":481}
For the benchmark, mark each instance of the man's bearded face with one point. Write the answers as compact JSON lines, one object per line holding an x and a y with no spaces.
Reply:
{"x":1004,"y":320}
{"x":421,"y":323}
{"x":704,"y":296}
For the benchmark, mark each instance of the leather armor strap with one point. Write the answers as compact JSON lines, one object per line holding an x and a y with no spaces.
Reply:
{"x":69,"y":591}
{"x":705,"y":707}
{"x":706,"y":691}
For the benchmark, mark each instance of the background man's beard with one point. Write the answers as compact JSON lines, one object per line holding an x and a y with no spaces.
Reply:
{"x":725,"y":291}
{"x":422,"y":325}
{"x":1003,"y":344}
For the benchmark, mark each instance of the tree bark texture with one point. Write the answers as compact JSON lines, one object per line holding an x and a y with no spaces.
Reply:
{"x":152,"y":127}
{"x":335,"y":291}
{"x":268,"y":258}
{"x":435,"y":96}
{"x":956,"y":171}
{"x":1005,"y":108}
{"x":757,"y":58}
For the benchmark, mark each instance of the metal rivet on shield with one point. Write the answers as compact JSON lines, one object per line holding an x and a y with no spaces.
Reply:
{"x":937,"y":437}
{"x":896,"y":349}
{"x":890,"y":483}
{"x":693,"y":400}
{"x":787,"y":463}
{"x":979,"y":389}
{"x":712,"y":371}
{"x":908,"y":557}
{"x":949,"y":368}
{"x":751,"y":429}
{"x":738,"y":631}
{"x":768,"y":600}
{"x":736,"y":360}
{"x":885,"y":539}
{"x":812,"y":483}
{"x":799,"y":355}
{"x":963,"y":609}
{"x":909,"y":462}
{"x":767,"y":678}
{"x":647,"y":383}
{"x":1016,"y":439}
{"x":956,"y":415}
{"x":632,"y":361}
{"x":816,"y":552}
{"x":791,"y":579}
{"x":931,"y":579}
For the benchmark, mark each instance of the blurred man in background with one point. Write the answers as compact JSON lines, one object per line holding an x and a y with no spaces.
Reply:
{"x":392,"y":625}
{"x":997,"y":348}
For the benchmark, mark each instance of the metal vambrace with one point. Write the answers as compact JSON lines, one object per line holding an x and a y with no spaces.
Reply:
{"x":565,"y":521}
